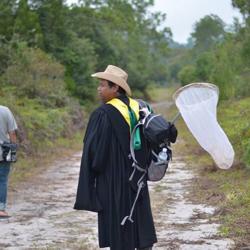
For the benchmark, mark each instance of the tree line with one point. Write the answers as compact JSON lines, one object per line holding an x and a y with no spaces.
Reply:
{"x":218,"y":54}
{"x":44,"y":43}
{"x":84,"y":38}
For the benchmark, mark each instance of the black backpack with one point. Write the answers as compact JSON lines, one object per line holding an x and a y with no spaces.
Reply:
{"x":160,"y":134}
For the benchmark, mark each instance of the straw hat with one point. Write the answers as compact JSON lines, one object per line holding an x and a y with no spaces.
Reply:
{"x":115,"y":75}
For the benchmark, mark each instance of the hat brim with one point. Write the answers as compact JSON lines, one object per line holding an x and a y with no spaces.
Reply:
{"x":117,"y":80}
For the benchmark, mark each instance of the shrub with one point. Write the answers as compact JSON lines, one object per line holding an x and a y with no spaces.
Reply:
{"x":187,"y":74}
{"x":35,"y":74}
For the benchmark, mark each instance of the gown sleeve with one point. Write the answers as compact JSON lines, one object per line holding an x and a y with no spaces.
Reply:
{"x":99,"y":142}
{"x":95,"y":153}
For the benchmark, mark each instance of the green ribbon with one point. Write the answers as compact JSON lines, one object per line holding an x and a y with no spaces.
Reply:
{"x":133,"y":122}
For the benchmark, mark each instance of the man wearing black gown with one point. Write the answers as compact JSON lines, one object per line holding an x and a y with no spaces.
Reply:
{"x":104,"y":186}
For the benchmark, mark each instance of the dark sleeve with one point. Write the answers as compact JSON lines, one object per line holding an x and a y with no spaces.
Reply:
{"x":98,"y":141}
{"x":94,"y":154}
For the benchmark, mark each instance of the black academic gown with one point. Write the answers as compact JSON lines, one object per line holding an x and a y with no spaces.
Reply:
{"x":104,"y":185}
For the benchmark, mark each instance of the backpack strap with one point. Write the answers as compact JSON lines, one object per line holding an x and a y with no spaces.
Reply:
{"x":140,"y":183}
{"x":146,"y":105}
{"x":129,"y":217}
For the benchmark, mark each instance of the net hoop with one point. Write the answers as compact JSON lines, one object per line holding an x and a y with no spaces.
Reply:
{"x":196,"y":84}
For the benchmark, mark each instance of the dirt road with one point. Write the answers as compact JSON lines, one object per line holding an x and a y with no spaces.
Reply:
{"x":43,"y":218}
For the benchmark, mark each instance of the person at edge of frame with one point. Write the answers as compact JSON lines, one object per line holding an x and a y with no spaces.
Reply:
{"x":8,"y":129}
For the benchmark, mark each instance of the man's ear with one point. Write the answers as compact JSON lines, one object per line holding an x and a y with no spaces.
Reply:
{"x":116,"y":88}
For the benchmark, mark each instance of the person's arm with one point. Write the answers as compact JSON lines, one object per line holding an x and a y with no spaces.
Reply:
{"x":13,"y":137}
{"x":86,"y":197}
{"x":11,"y":126}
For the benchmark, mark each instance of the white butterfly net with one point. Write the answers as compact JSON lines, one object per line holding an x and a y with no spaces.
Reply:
{"x":197,"y":103}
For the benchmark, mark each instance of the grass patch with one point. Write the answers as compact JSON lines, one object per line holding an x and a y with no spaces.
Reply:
{"x":159,"y":94}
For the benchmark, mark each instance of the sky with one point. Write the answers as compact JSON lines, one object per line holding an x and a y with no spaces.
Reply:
{"x":183,"y":14}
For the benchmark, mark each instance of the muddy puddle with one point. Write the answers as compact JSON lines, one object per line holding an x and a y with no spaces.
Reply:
{"x":43,"y":218}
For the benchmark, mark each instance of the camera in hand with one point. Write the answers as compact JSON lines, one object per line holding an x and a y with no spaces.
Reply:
{"x":9,"y":151}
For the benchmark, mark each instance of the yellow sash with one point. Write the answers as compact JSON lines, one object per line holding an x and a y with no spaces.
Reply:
{"x":123,"y":108}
